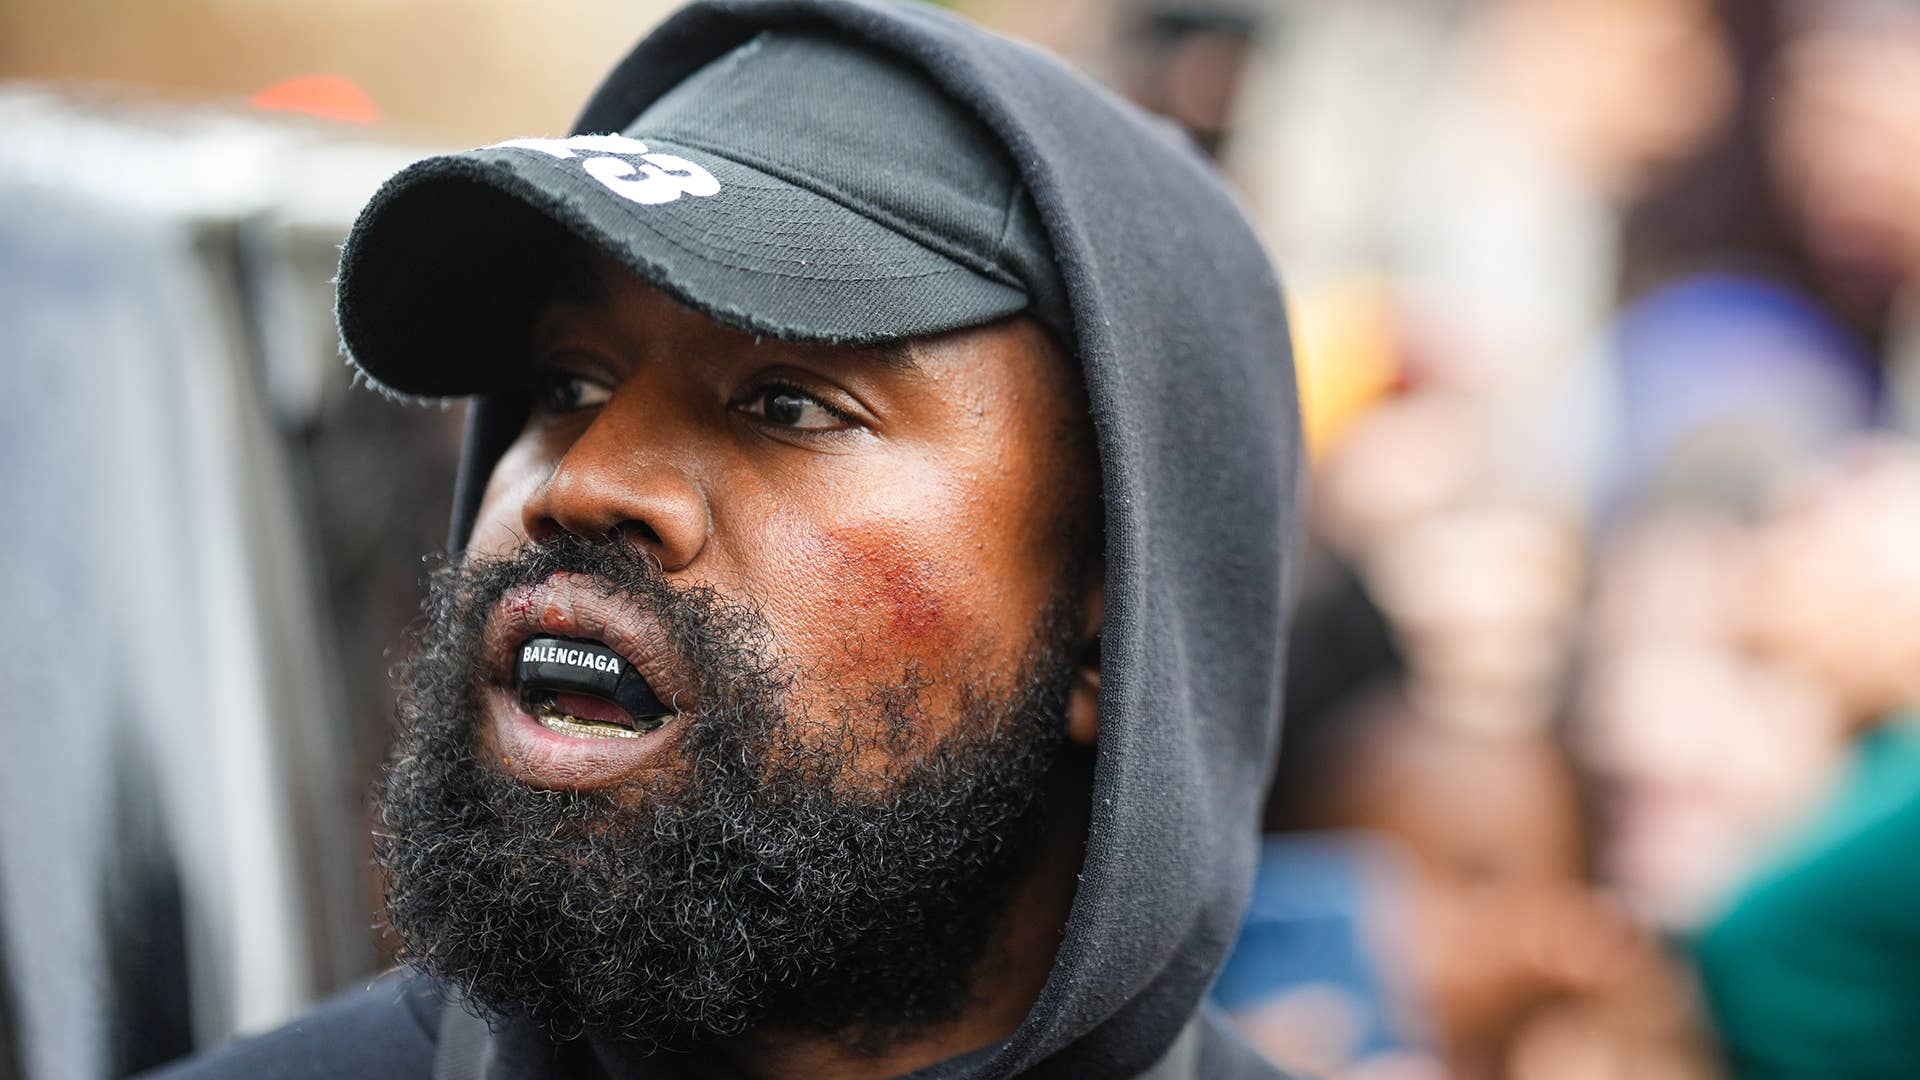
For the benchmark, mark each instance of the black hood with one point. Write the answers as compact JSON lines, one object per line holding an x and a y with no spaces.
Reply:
{"x":1181,"y":333}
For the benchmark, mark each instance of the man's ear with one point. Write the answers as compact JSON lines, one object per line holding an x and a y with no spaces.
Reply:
{"x":1083,"y":700}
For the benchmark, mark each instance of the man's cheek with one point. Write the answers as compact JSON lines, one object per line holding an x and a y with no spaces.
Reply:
{"x":890,"y":580}
{"x":499,"y":529}
{"x":869,"y":598}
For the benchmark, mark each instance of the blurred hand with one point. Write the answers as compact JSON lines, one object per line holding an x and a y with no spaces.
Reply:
{"x":1558,"y":984}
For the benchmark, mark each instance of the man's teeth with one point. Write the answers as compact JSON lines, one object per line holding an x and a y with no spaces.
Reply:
{"x":555,"y":720}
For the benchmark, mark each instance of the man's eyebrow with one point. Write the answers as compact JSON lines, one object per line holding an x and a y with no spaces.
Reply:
{"x":896,"y":356}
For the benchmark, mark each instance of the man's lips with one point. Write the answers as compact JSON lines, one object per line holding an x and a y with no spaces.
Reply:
{"x":513,"y":738}
{"x":576,"y":606}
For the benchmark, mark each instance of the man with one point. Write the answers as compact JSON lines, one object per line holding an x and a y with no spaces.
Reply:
{"x":863,"y":640}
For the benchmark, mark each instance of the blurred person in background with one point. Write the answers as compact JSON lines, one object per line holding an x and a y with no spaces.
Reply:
{"x":1453,"y":290}
{"x":1450,"y":178}
{"x":1572,"y":263}
{"x":1702,"y":751}
{"x":1488,"y":953}
{"x":1427,"y":904}
{"x":1844,"y":132}
{"x":1721,"y":385}
{"x":1738,"y":664}
{"x":1813,"y":966}
{"x":1448,"y":182}
{"x":1310,"y":980}
{"x":784,"y":405}
{"x":1843,"y":135}
{"x":1805,"y":198}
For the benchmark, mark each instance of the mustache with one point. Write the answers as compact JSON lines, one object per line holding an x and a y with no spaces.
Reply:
{"x":722,"y":655}
{"x":707,"y":631}
{"x":480,"y":580}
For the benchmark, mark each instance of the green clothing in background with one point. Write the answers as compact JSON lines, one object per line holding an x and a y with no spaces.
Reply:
{"x":1814,"y":971}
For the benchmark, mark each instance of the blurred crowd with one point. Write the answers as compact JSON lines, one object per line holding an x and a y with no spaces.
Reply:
{"x":1598,"y":760}
{"x":1598,"y":757}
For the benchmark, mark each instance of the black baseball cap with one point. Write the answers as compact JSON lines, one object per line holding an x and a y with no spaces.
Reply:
{"x":801,"y":186}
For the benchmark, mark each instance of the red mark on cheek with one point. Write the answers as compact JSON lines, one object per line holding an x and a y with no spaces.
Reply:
{"x":877,"y":569}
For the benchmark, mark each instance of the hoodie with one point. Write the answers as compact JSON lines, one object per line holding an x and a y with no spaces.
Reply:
{"x":1179,"y":327}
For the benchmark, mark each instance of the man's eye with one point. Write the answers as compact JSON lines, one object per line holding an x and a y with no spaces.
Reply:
{"x":561,"y":391}
{"x":788,"y":407}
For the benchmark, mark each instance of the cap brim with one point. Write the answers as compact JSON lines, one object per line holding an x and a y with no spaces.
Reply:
{"x":446,"y":265}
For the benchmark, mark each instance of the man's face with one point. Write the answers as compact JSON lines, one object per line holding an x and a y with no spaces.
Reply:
{"x":868,"y":582}
{"x":900,"y":512}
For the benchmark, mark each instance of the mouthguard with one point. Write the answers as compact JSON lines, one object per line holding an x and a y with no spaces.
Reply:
{"x":562,"y":665}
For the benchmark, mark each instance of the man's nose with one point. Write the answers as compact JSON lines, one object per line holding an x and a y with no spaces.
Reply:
{"x":619,"y":481}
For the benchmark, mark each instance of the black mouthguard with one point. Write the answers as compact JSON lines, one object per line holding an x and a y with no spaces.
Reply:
{"x":561,"y":665}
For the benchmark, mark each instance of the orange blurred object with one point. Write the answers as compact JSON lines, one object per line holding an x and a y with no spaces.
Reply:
{"x":1347,"y":355}
{"x":329,"y":97}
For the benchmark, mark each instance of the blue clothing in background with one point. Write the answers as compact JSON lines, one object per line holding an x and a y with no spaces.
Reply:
{"x":1307,"y":926}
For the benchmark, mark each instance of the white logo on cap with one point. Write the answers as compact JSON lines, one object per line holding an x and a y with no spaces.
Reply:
{"x":655,"y":179}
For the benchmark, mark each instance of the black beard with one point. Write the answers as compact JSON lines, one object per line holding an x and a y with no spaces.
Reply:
{"x":772,"y":881}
